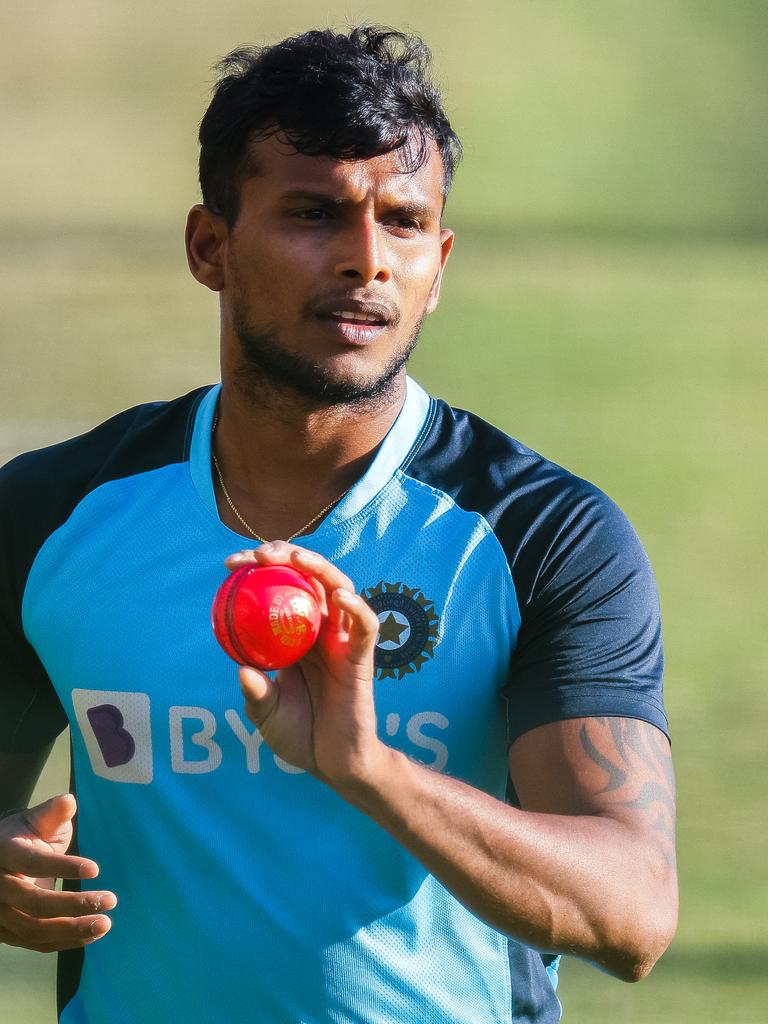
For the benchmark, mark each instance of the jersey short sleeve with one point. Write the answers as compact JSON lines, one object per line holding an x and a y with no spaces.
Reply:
{"x":589,"y":642}
{"x":589,"y":637}
{"x":31,"y":715}
{"x":39,"y":491}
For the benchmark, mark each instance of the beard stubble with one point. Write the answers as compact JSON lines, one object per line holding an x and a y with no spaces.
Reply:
{"x":267,"y":371}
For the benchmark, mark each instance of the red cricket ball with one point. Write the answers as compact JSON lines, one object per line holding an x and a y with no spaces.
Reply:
{"x":266,"y":615}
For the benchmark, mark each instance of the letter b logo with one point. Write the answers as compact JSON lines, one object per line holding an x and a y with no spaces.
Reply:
{"x":115,"y":726}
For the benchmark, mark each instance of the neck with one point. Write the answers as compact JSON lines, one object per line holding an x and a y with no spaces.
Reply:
{"x":283,"y":458}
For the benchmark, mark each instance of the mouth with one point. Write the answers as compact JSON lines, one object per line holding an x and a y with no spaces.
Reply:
{"x":353,"y":332}
{"x":360,"y":325}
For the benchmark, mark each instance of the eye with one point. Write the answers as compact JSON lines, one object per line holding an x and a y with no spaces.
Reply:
{"x":312,"y":213}
{"x":405,"y":224}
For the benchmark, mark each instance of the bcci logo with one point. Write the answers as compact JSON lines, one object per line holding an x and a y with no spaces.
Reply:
{"x":407,"y":629}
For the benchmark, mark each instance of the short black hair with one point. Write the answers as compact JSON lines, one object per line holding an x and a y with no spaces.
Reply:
{"x":349,"y":96}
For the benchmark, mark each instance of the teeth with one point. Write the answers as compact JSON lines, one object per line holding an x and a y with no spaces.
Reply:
{"x":346,"y":314}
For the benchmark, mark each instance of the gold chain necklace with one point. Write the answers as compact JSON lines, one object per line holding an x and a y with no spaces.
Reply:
{"x":234,"y":509}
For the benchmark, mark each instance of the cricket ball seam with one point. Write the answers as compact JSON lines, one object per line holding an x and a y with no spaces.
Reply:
{"x":229,"y":615}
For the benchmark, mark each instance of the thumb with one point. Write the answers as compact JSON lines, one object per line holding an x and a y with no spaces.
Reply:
{"x":52,"y":820}
{"x":261,"y":693}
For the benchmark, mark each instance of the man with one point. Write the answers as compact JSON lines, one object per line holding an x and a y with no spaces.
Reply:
{"x":340,"y":847}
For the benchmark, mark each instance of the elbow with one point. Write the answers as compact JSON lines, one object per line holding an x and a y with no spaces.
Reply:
{"x":634,"y":957}
{"x":633,"y":967}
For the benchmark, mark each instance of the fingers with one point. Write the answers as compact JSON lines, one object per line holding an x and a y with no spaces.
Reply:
{"x":280,"y":552}
{"x":348,"y":614}
{"x":50,"y":935}
{"x":27,"y":855}
{"x":363,"y":630}
{"x":33,"y":842}
{"x":317,"y":569}
{"x":51,"y":819}
{"x":32,"y":915}
{"x":261,"y":694}
{"x":31,"y":899}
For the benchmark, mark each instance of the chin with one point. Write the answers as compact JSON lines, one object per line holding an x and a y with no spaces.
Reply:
{"x":318,"y":383}
{"x":263,"y":366}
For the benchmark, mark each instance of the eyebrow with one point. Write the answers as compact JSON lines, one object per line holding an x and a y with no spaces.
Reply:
{"x":409,"y":206}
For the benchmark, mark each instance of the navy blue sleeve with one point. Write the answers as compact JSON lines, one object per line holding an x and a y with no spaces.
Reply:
{"x":31,"y":715}
{"x":589,"y":642}
{"x":590,"y":636}
{"x":38,"y":492}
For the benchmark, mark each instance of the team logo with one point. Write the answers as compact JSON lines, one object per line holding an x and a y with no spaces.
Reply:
{"x":408,"y":629}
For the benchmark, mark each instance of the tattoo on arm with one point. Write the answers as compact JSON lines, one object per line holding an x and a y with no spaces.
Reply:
{"x":616,"y":775}
{"x":636,"y":759}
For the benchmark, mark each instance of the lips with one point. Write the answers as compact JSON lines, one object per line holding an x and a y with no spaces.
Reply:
{"x":349,"y":316}
{"x":354,"y":321}
{"x":357,"y":312}
{"x":353,"y":332}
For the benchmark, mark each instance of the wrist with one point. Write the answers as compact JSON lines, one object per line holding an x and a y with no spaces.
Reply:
{"x":368,"y":781}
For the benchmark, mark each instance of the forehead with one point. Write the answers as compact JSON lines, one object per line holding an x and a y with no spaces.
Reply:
{"x":276,"y":167}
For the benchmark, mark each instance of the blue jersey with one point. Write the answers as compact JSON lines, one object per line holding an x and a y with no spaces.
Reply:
{"x":510,"y":594}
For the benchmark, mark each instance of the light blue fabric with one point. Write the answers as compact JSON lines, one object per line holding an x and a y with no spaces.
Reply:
{"x":249,"y":891}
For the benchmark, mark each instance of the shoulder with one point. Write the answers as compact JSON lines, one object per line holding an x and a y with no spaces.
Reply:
{"x":40,"y":489}
{"x":589,"y":642}
{"x":133,"y":441}
{"x":478,"y":464}
{"x":540,"y":512}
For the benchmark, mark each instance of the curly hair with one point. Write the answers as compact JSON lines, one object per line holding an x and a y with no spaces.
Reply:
{"x":349,"y":96}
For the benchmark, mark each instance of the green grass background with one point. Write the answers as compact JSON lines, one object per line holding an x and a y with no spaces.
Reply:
{"x":606,"y":303}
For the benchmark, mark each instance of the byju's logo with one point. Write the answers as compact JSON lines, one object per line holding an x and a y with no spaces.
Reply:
{"x":116,"y":729}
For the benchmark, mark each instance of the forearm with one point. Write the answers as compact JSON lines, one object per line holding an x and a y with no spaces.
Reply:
{"x":577,"y":884}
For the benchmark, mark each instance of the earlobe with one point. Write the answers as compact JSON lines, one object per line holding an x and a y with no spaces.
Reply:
{"x":205,"y":239}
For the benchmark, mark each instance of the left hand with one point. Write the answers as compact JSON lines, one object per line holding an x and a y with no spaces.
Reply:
{"x":319,"y":713}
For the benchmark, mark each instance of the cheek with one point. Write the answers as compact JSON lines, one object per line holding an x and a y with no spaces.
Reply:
{"x":415,"y":278}
{"x":420,"y":264}
{"x":263,"y":284}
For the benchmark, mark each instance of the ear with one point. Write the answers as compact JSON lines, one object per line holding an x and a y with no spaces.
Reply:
{"x":446,"y":244}
{"x":206,"y":238}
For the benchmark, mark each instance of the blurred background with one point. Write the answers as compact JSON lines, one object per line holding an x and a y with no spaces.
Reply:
{"x":606,"y":303}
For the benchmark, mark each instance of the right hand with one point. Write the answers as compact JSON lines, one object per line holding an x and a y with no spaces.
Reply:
{"x":32,"y":856}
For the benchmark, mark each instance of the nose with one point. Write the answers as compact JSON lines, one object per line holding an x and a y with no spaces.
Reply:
{"x":363,"y":255}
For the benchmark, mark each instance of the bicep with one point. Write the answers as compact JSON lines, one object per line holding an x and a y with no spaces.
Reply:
{"x":614,"y":767}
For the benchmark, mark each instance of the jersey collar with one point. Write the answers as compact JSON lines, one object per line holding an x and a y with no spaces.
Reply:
{"x":402,"y":437}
